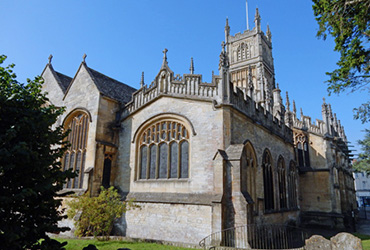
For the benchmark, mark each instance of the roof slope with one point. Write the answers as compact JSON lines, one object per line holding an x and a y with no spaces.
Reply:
{"x":63,"y":81}
{"x":112,"y":88}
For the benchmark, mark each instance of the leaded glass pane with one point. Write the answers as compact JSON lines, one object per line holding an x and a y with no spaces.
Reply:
{"x":143,"y":162}
{"x":153,"y":161}
{"x":82,"y":169}
{"x":72,"y":161}
{"x":184,"y":159}
{"x":163,"y":153}
{"x":78,"y":168}
{"x":174,"y":149}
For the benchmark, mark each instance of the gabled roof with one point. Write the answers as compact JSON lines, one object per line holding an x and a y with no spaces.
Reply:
{"x":111,"y":88}
{"x":63,"y":81}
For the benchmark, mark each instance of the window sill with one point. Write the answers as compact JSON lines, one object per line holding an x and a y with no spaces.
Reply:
{"x":163,"y":180}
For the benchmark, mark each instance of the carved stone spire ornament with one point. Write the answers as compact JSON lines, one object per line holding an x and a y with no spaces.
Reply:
{"x":268,"y":33}
{"x":294,"y":108}
{"x":301,"y":114}
{"x":142,"y":80}
{"x":224,"y":61}
{"x":287,"y":104}
{"x":50,"y":58}
{"x":257,"y":20}
{"x":84,"y":58}
{"x":164,"y":57}
{"x":191,"y":66}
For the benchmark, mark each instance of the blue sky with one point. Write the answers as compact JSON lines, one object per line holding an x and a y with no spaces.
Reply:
{"x":123,"y":38}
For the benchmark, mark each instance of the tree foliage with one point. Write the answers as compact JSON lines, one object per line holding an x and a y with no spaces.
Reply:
{"x":362,"y":163}
{"x":94,"y":216}
{"x":30,"y":173}
{"x":348,"y":22}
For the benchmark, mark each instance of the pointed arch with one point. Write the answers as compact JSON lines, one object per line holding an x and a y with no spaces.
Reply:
{"x":268,"y":180}
{"x":282,"y":183}
{"x":163,"y":148}
{"x":248,"y":163}
{"x":292,"y":185}
{"x":75,"y":156}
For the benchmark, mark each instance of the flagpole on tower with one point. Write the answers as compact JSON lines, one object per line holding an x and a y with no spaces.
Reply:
{"x":246,"y":10}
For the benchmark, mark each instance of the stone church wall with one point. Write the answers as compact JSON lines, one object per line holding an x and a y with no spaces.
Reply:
{"x":169,"y":222}
{"x":207,"y":125}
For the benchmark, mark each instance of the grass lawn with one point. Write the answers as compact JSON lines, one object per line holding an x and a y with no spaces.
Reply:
{"x":78,"y":244}
{"x":365,"y":239}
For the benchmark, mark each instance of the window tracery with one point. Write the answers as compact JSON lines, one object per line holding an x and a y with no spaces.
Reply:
{"x":75,"y":156}
{"x":249,"y":172}
{"x":164,"y":151}
{"x":302,"y":151}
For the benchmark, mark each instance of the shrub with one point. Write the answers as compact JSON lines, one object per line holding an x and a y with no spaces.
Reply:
{"x":97,"y":214}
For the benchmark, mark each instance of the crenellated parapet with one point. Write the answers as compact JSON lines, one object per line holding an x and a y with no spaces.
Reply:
{"x":255,"y":111}
{"x":329,"y":126}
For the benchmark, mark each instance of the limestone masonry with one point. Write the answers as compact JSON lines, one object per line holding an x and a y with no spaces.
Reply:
{"x":201,"y":157}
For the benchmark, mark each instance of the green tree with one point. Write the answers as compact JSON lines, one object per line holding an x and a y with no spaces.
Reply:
{"x":96,"y":215}
{"x":348,"y":22}
{"x":362,"y":163}
{"x":30,"y":173}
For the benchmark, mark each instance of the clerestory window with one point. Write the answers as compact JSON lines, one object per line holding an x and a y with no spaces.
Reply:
{"x":164,"y":151}
{"x":303,"y":156}
{"x":75,"y":157}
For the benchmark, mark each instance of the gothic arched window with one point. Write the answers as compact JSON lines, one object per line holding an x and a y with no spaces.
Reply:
{"x":249,"y":171}
{"x":303,"y":156}
{"x":163,"y":151}
{"x":268,"y":182}
{"x":292,"y":185}
{"x":282,"y":183}
{"x":74,"y":158}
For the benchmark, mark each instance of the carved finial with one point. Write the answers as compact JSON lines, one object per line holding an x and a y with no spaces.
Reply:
{"x":227,"y":27}
{"x":257,"y":16}
{"x":224,"y":61}
{"x":165,"y":54}
{"x":142,"y":79}
{"x":50,"y":58}
{"x":287,"y":104}
{"x":257,"y":20}
{"x":191,"y":66}
{"x":301,"y":113}
{"x":277,"y":85}
{"x":330,"y":112}
{"x":213,"y":73}
{"x":294,"y":108}
{"x":323,"y":99}
{"x":84,"y":58}
{"x":268,"y":33}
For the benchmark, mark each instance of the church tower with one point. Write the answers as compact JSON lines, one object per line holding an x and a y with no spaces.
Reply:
{"x":251,"y":63}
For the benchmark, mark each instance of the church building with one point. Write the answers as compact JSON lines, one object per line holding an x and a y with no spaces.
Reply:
{"x":199,"y":157}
